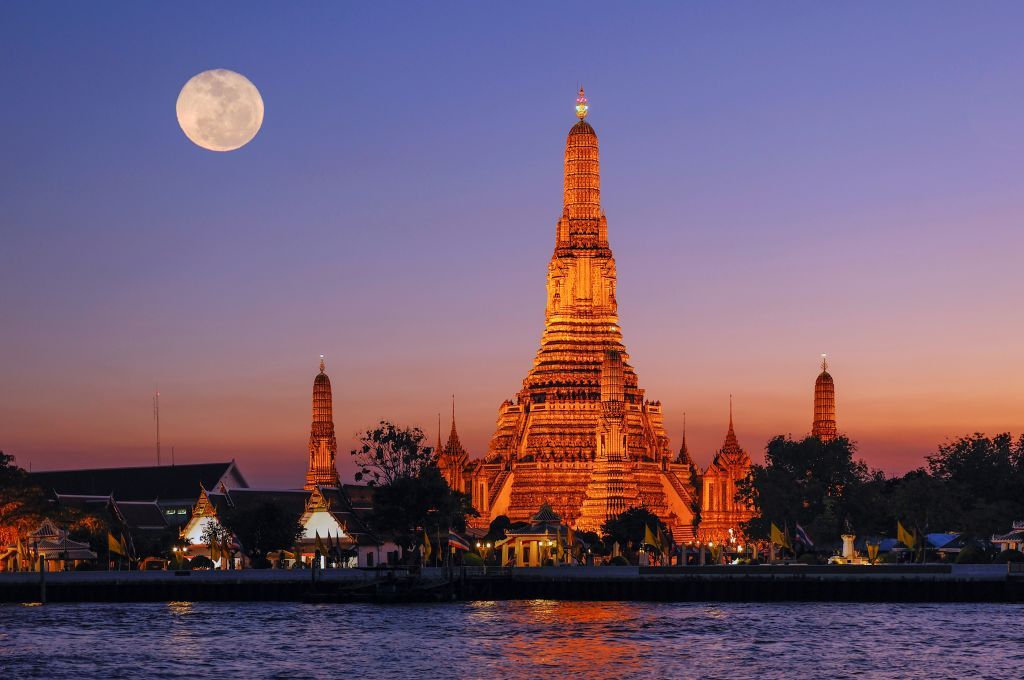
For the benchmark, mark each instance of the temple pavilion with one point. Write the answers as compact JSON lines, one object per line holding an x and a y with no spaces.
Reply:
{"x":545,"y":538}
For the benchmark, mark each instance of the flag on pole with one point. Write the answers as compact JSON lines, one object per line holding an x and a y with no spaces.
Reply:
{"x":801,"y":535}
{"x":905,"y":537}
{"x":320,"y":544}
{"x":456,"y":541}
{"x":779,"y":538}
{"x":427,"y":548}
{"x":114,"y":546}
{"x":649,"y":537}
{"x":215,"y":551}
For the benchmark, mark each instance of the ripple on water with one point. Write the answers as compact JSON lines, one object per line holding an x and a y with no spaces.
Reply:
{"x":511,"y":639}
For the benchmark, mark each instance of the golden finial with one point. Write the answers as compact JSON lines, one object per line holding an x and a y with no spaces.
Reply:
{"x":581,"y":105}
{"x":824,"y":363}
{"x":322,"y":366}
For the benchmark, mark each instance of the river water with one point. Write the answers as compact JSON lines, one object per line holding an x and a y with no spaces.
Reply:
{"x":530,"y":639}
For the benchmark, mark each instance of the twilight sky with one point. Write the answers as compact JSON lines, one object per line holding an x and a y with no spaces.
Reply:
{"x":780,"y":179}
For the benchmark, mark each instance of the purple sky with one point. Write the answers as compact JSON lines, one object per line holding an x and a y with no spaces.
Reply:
{"x":780,"y":180}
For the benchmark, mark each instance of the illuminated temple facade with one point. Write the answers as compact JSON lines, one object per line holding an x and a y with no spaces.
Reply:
{"x":720,"y":511}
{"x":580,"y":435}
{"x":323,"y":445}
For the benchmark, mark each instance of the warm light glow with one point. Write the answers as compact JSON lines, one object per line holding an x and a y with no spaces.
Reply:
{"x":581,"y":105}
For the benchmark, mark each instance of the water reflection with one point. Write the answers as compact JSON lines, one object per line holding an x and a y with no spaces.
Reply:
{"x":509,"y":640}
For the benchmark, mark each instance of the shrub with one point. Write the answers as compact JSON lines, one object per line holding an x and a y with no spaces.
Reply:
{"x":1009,"y":556}
{"x":201,"y":562}
{"x":472,"y":560}
{"x":808,"y":558}
{"x":972,"y":554}
{"x":619,"y":561}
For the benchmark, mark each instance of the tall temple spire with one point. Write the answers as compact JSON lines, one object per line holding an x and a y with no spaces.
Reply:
{"x":440,"y":445}
{"x":452,"y":459}
{"x":582,"y":182}
{"x":580,"y":432}
{"x":731,"y":444}
{"x":824,"y":426}
{"x":453,"y":436}
{"x":323,"y":445}
{"x":684,"y":452}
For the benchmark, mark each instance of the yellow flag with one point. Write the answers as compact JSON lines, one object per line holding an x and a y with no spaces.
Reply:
{"x":570,"y":536}
{"x":113,"y":546}
{"x":779,"y":538}
{"x":215,"y":551}
{"x":428,"y":549}
{"x":320,"y":544}
{"x":649,"y":537}
{"x":872,"y":552}
{"x":905,"y":537}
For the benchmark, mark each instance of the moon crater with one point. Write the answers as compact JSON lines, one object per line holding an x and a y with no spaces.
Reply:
{"x":220,"y":110}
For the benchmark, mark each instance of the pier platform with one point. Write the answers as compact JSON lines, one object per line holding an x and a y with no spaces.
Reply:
{"x":763,"y":583}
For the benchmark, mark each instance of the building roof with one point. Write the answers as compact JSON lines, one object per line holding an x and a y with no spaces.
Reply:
{"x":149,"y":483}
{"x":141,"y":514}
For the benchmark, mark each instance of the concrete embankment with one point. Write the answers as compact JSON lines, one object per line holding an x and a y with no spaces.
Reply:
{"x":891,"y":583}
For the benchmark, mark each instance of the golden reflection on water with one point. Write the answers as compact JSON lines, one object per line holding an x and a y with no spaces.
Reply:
{"x":594,"y":635}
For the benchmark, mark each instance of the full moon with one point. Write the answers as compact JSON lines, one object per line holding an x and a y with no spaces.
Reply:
{"x":220,"y":110}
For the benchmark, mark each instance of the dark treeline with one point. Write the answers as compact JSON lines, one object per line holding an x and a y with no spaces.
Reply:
{"x":973,"y":485}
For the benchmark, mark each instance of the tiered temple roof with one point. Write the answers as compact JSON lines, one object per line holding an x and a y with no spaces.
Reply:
{"x":720,"y":511}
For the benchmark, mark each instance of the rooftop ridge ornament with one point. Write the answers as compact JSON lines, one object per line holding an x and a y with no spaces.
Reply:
{"x":581,"y":105}
{"x":824,"y":363}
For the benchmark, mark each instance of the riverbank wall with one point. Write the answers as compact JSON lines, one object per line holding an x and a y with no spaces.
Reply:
{"x":885,"y":583}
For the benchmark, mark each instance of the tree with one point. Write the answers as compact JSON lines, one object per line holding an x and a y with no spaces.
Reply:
{"x":388,"y":453}
{"x":982,"y":481}
{"x":498,"y":529}
{"x":411,"y":495}
{"x":262,"y":528}
{"x":818,"y":484}
{"x":407,"y":507}
{"x":629,"y":527}
{"x":23,"y":507}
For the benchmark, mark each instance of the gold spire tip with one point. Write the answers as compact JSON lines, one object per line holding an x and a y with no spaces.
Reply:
{"x":581,"y":105}
{"x":322,"y":364}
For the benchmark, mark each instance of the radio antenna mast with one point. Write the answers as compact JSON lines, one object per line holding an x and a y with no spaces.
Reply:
{"x":156,"y":417}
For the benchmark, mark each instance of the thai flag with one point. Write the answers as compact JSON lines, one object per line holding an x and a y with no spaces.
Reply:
{"x":802,"y":536}
{"x":456,"y":541}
